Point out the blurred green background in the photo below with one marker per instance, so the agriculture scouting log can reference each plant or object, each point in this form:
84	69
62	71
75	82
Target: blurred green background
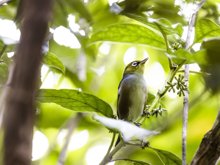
75	60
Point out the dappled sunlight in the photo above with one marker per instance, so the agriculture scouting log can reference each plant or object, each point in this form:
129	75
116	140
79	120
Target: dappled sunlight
155	76
77	140
82	62
104	48
65	37
50	79
95	154
40	145
99	71
9	33
10	54
194	67
186	9
197	47
130	55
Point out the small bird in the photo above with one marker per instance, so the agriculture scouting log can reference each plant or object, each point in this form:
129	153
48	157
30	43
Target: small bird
132	92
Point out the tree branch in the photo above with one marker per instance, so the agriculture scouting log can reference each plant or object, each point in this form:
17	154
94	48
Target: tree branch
109	156
188	41
71	127
20	90
209	149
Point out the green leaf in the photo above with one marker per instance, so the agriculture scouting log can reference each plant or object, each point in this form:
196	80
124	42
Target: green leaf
212	51
130	33
150	98
167	157
130	161
3	72
80	7
205	28
182	55
53	61
75	100
62	9
200	57
162	25
212	66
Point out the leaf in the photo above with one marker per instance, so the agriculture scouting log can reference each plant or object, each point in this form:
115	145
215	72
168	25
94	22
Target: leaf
129	33
212	51
80	7
199	57
3	72
182	55
212	66
205	28
75	100
167	157
150	98
162	25
53	61
130	161
62	9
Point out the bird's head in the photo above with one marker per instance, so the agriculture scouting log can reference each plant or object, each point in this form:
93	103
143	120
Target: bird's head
135	67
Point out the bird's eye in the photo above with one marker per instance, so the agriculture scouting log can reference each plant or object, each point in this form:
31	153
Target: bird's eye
134	63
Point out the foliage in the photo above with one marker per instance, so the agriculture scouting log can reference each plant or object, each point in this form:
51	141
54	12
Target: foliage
84	79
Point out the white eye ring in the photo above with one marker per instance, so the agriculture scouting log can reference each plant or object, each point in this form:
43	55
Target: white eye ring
134	63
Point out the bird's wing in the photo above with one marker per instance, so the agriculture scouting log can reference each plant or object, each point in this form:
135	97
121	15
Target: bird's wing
123	101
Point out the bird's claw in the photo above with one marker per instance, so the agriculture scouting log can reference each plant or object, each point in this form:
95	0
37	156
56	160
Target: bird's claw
146	113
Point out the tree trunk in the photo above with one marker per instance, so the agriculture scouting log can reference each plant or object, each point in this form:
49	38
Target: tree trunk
209	149
19	106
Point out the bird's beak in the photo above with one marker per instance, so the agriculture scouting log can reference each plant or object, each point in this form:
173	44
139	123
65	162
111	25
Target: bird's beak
144	60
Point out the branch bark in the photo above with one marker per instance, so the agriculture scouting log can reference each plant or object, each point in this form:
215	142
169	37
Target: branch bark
20	90
209	149
189	39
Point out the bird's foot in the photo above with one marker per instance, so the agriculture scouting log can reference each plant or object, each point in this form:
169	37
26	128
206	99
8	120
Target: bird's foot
144	144
146	113
137	124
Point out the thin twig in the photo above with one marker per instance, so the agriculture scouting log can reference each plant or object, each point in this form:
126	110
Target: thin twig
188	41
71	126
185	114
109	156
111	144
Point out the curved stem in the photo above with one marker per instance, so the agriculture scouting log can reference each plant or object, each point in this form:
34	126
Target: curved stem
111	144
109	156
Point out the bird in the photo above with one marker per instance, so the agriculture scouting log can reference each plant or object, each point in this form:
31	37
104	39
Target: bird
132	92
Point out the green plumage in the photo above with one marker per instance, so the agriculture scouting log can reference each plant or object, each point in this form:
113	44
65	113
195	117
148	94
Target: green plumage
132	92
